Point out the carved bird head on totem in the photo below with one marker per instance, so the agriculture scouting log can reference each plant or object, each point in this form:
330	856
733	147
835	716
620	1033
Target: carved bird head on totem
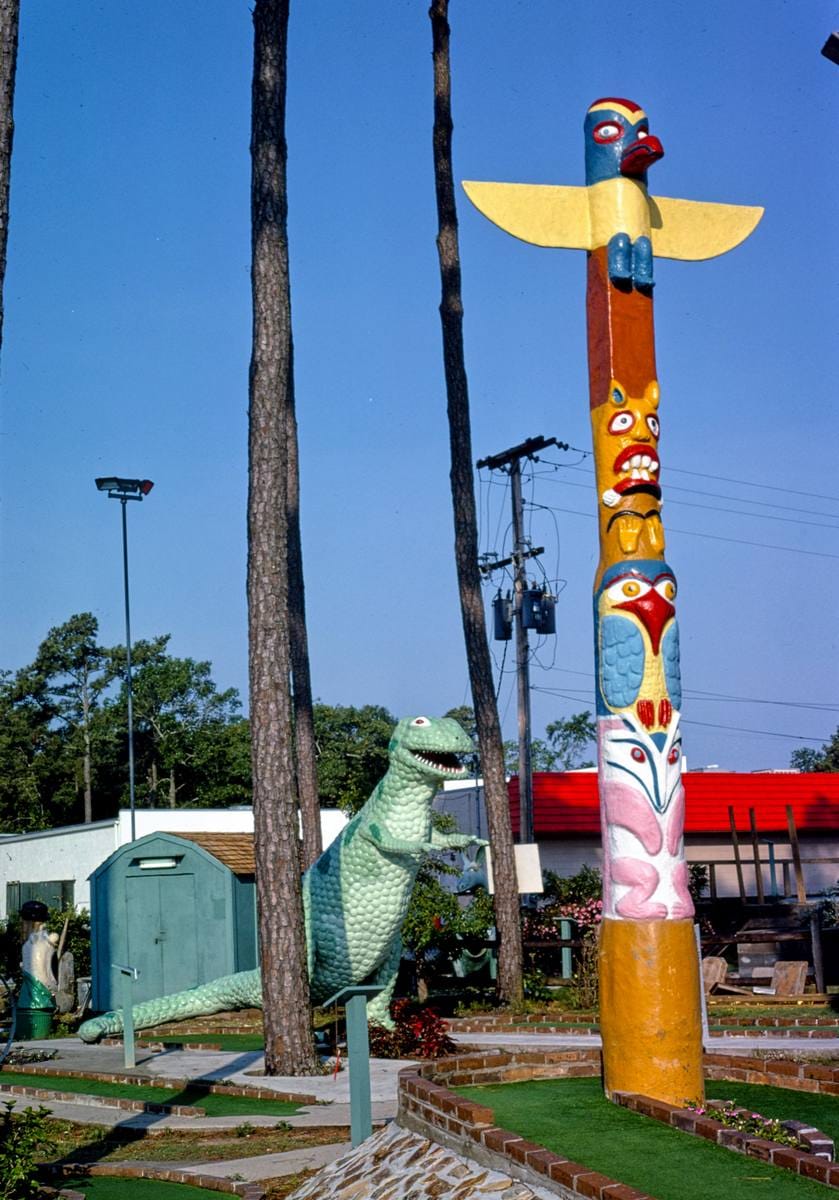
618	141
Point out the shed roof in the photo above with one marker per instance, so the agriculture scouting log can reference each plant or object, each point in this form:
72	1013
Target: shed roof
235	850
567	802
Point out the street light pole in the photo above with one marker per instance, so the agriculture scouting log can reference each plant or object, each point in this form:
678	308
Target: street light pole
125	490
128	683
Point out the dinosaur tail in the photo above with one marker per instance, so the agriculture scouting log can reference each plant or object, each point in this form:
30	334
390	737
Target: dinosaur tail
242	990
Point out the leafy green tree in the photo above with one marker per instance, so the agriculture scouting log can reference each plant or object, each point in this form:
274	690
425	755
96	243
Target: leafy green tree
568	739
826	759
351	746
72	671
24	729
190	742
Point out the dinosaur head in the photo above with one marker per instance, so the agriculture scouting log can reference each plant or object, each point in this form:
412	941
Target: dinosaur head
618	141
433	746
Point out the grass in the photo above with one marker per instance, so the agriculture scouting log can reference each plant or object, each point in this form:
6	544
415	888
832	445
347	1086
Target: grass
98	1143
215	1105
749	1012
783	1103
104	1187
227	1041
572	1117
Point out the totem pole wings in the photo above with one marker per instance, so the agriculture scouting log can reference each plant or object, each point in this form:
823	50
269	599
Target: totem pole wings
614	201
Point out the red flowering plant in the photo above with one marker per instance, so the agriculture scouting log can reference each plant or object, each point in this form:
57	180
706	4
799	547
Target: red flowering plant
419	1033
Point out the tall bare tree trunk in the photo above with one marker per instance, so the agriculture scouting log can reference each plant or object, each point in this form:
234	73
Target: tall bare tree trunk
304	721
88	757
466	529
9	20
289	1048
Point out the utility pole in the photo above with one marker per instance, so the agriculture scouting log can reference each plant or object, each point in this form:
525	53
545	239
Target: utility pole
512	460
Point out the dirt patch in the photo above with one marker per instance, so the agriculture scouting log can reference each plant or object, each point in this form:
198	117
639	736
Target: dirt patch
94	1143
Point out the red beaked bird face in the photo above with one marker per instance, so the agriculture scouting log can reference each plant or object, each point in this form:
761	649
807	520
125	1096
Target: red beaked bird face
640	155
650	599
618	141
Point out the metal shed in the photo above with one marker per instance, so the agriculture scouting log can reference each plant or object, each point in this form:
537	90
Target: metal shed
180	907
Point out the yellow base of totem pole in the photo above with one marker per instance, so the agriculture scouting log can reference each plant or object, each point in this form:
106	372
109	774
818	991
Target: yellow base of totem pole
650	1014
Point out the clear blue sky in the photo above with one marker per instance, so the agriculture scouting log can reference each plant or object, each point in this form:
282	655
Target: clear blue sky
128	323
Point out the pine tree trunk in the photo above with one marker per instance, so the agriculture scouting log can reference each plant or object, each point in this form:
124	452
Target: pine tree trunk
289	1048
466	530
87	765
304	722
9	19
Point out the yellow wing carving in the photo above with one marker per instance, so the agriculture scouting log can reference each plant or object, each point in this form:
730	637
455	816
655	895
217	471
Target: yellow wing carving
692	229
542	214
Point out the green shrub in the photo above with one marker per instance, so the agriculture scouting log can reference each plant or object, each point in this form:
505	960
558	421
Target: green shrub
23	1141
586	885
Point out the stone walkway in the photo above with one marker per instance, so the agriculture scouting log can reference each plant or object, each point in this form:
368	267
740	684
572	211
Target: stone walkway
397	1165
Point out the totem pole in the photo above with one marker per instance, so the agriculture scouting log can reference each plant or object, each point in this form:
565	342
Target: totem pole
649	971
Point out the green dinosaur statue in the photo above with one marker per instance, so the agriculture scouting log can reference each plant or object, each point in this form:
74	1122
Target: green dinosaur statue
355	896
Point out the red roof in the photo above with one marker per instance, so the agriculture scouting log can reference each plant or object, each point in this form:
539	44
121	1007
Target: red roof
567	803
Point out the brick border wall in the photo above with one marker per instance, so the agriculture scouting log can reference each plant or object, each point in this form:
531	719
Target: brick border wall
219	1089
427	1107
809	1027
86	1098
778	1072
215	1183
799	1162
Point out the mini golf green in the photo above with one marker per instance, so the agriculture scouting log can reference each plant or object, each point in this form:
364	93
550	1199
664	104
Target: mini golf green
572	1117
227	1041
112	1187
213	1103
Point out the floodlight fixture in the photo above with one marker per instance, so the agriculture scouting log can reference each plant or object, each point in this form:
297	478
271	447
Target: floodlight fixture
124	489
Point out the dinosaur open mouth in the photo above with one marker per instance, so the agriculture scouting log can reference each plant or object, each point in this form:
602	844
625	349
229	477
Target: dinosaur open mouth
445	762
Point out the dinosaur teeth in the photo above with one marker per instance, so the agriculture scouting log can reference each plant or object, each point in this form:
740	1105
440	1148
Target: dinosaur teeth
447	763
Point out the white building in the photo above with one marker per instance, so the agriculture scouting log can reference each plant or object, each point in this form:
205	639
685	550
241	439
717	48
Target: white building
54	865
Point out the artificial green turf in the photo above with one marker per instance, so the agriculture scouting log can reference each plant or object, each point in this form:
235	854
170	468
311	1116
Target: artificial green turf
227	1041
110	1187
783	1103
573	1118
214	1104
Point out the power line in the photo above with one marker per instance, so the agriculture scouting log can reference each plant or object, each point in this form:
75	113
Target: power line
796	737
769	487
715	508
699	693
714	537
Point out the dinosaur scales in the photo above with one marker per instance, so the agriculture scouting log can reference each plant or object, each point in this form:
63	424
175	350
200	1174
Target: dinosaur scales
355	896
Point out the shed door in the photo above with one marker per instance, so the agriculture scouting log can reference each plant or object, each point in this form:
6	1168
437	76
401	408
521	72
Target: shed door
162	933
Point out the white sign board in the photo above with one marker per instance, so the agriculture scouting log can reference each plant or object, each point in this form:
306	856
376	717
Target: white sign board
528	869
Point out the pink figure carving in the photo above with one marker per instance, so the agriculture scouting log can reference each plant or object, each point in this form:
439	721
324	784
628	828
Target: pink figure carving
643	809
642	879
627	808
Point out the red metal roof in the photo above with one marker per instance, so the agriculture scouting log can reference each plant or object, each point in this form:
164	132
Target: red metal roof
567	803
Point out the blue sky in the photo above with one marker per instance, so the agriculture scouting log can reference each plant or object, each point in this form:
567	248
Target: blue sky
127	332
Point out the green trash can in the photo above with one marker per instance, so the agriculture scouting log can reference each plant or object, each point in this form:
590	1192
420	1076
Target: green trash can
32	1023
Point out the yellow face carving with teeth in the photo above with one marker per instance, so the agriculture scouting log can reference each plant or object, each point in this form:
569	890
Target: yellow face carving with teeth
626	431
